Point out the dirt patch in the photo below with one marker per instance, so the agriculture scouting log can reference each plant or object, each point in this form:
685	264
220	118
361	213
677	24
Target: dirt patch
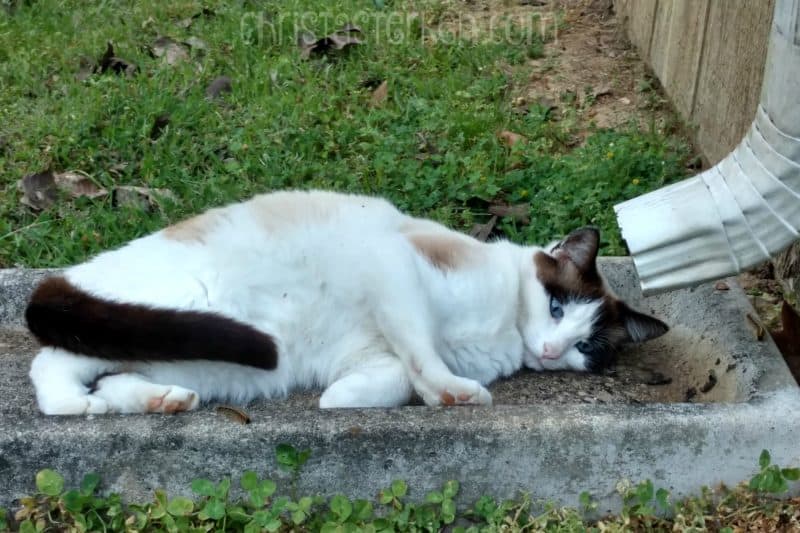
663	370
588	73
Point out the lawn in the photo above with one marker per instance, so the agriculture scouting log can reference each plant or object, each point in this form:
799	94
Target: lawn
428	139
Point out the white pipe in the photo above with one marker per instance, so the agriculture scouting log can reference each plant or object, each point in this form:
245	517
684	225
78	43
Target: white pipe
746	208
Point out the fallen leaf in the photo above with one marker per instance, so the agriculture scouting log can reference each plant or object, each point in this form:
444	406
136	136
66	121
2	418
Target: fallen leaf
234	413
625	100
482	231
144	198
218	86
338	40
110	62
601	91
86	68
379	95
510	138
159	124
38	190
188	21
117	169
185	23
519	212
170	51
721	286
196	43
41	190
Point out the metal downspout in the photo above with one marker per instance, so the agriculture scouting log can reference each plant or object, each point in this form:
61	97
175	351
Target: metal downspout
746	208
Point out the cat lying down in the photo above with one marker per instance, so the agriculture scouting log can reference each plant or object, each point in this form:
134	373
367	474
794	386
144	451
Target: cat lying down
316	289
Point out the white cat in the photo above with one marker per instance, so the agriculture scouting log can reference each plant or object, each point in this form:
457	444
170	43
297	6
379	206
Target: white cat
317	289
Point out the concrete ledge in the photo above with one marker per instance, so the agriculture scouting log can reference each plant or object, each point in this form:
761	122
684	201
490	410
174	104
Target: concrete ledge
551	446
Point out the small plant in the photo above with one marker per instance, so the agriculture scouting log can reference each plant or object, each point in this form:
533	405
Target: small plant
292	461
645	508
771	478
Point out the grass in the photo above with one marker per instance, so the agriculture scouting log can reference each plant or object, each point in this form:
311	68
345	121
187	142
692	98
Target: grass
261	506
431	146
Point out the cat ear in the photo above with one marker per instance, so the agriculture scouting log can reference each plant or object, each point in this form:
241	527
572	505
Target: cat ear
640	327
580	247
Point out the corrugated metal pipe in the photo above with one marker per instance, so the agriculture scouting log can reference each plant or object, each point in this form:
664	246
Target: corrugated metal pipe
746	208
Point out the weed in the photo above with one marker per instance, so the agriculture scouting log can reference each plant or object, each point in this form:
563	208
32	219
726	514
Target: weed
262	509
771	478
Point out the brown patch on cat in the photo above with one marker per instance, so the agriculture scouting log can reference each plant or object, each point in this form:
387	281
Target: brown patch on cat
442	251
562	278
447	398
788	339
193	229
276	212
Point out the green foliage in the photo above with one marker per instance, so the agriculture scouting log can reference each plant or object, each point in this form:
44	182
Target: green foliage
431	147
771	478
261	508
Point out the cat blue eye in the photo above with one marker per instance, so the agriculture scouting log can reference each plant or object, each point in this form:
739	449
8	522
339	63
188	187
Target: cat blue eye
582	346
556	311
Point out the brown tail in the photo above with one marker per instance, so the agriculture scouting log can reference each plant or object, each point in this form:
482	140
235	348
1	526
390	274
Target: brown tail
61	315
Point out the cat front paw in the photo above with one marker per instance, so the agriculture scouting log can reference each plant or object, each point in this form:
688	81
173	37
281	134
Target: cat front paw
458	391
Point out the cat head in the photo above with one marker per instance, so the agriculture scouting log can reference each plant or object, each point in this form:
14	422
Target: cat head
572	320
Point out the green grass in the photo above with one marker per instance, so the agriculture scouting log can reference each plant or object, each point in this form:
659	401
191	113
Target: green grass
431	147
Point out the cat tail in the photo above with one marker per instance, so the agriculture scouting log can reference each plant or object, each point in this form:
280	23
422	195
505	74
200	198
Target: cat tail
61	315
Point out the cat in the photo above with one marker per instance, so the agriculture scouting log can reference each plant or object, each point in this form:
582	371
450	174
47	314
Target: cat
314	289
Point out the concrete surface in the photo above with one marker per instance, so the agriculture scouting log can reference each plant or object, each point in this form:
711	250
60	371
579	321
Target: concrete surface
553	435
709	56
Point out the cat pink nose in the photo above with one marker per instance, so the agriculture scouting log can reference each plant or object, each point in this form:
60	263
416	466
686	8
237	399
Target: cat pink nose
549	351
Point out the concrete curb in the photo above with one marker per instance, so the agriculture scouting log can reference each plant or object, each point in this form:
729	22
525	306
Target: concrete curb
552	451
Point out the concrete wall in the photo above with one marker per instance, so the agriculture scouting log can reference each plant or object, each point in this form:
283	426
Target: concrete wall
709	56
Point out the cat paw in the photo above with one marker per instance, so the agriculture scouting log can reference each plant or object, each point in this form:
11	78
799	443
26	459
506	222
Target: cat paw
458	391
175	400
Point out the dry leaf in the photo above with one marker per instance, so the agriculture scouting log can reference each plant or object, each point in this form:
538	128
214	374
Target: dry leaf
170	51
144	198
601	91
341	38
234	413
379	95
196	43
721	286
510	138
218	86
188	21
110	62
87	68
159	124
482	231
519	212
41	190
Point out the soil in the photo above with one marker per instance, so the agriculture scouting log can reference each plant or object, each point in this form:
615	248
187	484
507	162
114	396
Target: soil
588	67
658	373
